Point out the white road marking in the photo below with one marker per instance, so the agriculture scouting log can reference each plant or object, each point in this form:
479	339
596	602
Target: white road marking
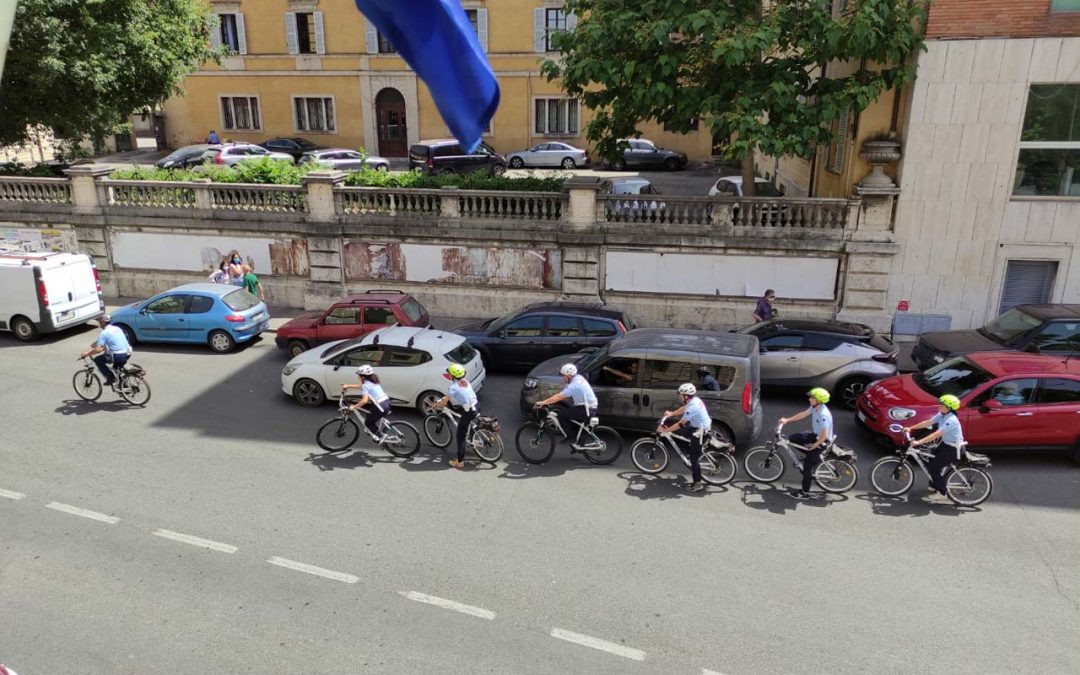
76	511
195	541
706	671
597	643
11	495
311	569
449	604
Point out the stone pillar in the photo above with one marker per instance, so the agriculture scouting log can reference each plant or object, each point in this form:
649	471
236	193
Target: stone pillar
877	208
327	280
85	198
322	206
449	204
203	200
581	272
582	210
866	283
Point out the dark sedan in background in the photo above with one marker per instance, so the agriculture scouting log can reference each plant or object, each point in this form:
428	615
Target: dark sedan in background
644	154
291	146
542	331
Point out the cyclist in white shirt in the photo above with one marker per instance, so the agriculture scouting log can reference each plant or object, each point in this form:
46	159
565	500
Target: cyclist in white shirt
581	396
951	435
111	345
461	397
694	414
815	442
372	398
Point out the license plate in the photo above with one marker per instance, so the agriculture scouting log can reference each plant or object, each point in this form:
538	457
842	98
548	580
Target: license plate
861	415
64	316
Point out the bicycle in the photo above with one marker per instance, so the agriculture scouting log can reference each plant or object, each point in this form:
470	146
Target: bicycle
400	439
717	462
535	439
836	473
130	382
440	427
967	483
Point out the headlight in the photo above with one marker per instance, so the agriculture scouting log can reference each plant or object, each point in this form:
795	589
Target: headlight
901	414
288	370
938	358
531	383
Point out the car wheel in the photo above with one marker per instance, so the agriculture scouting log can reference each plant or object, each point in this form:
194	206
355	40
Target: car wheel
308	393
850	389
569	163
382	167
221	342
296	348
517	163
671	164
498	169
426	400
24	329
619	164
721	430
444	172
128	333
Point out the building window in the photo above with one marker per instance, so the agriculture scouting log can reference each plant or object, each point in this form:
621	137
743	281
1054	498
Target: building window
1065	5
1049	160
384	45
305	32
230	39
554	22
240	113
314	113
841	130
694	123
474	19
556	116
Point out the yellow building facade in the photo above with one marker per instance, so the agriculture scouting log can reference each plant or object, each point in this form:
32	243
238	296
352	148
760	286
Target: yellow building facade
318	69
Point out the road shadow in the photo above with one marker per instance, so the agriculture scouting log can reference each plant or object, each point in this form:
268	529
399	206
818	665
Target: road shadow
645	486
560	463
87	330
777	499
913	505
80	407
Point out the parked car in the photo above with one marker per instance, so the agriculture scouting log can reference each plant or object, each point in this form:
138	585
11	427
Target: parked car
1008	400
1027	328
447	156
294	147
351	317
840	356
188	156
542	330
47	292
636	376
410	363
345	159
732	186
215	315
231	154
631	207
644	154
549	155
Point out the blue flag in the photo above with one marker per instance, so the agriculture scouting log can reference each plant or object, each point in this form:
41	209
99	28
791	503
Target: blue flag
438	42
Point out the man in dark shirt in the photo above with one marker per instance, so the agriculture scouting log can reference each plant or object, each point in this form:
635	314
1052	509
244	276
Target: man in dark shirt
764	310
708	382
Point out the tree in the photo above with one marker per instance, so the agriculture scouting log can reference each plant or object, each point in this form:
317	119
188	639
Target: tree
754	71
81	67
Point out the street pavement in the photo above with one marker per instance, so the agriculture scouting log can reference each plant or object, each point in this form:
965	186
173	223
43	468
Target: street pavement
208	533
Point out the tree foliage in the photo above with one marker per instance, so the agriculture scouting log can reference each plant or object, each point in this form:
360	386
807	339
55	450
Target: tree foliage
748	69
81	67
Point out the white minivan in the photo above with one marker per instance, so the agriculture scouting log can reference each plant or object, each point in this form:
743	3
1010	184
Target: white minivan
47	292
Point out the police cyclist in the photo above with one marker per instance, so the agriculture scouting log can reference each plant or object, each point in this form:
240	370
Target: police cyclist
462	399
694	414
579	392
373	400
814	442
951	435
111	345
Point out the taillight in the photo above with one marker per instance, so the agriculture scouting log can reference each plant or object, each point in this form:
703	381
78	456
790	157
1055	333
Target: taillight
747	397
235	318
622	328
97	280
430	163
42	293
218	159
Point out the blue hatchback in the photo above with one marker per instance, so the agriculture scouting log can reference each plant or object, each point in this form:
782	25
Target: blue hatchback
212	314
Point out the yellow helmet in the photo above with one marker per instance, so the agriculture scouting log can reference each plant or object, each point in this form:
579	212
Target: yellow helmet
456	371
819	394
950	402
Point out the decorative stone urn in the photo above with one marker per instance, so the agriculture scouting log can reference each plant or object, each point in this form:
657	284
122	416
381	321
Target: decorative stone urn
879	153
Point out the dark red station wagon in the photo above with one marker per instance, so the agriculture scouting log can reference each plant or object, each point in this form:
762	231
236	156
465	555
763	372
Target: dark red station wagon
1008	400
351	317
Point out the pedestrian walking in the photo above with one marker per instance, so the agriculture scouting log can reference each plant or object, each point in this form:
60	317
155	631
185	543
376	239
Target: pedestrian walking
764	310
251	283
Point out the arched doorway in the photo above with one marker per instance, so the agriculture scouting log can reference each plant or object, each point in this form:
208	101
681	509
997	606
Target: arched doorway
390	122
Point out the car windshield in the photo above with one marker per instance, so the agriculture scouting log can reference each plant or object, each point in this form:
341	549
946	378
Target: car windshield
956	376
348	344
239	300
413	310
463	353
591	360
767	190
496	324
1010	326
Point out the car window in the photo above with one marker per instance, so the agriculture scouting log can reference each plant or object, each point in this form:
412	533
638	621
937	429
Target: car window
664	374
168	304
1060	336
821	343
1012	392
200	304
766	189
529	326
405	356
352	154
956	376
1059	390
724	376
379	315
563	326
413	309
726	186
448	150
619	373
343	316
369	355
1010	326
258	151
783	343
598	328
239	300
463	353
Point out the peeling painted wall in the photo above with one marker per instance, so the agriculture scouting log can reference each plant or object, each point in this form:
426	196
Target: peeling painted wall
467	265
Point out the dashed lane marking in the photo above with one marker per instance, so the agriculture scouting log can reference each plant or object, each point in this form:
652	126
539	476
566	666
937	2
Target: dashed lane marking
11	495
597	643
449	604
195	541
84	513
706	671
311	569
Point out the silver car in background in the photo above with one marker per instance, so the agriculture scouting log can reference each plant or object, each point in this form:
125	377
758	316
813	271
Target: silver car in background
840	356
549	155
231	154
345	159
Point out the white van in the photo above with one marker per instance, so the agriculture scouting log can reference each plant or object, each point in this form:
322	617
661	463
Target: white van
47	292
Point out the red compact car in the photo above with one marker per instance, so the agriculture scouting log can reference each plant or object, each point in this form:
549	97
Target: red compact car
1008	400
351	317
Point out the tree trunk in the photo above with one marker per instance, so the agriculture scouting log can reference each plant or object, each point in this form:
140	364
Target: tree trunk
748	175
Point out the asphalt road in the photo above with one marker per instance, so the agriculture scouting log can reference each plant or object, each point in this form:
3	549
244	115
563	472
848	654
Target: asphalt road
307	562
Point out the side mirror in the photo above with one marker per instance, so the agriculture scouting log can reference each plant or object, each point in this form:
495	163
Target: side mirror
992	404
501	334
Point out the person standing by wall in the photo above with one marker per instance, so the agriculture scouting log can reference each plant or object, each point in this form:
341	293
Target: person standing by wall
251	283
213	139
236	268
764	310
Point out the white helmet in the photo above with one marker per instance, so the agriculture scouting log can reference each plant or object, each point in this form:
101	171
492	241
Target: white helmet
569	370
365	370
687	389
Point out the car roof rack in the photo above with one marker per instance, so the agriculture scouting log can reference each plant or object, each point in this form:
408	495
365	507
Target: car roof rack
355	301
375	339
379	290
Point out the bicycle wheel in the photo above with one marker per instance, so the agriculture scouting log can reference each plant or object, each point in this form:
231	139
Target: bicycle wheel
439	430
892	476
338	434
534	443
605	446
717	468
134	390
87	385
968	486
764	464
836	475
402	439
649	456
487	445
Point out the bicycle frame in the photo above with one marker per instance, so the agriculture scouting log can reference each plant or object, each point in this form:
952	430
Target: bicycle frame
345	410
920	456
555	425
672	441
455	420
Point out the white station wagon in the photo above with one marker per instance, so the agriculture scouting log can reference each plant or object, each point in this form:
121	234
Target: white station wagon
409	361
